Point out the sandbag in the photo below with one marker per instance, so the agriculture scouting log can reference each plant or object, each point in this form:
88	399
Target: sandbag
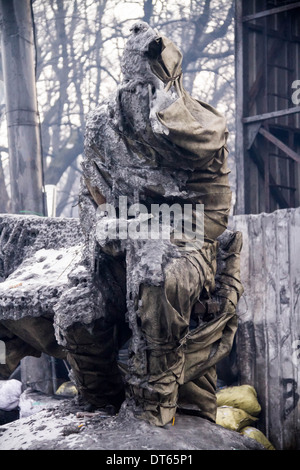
67	389
243	397
256	434
233	418
10	392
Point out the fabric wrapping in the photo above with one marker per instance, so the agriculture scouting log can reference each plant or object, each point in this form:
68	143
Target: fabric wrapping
176	355
157	150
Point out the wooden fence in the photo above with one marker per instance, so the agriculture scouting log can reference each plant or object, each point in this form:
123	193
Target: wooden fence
268	338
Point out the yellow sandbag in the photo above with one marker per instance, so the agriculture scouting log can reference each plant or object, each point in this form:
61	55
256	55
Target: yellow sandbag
243	397
233	418
256	434
67	389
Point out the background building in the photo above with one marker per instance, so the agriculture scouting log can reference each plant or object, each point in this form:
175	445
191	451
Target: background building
267	43
268	111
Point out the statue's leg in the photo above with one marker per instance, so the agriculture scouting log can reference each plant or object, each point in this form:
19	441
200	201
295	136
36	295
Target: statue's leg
92	348
198	396
28	336
164	317
13	349
92	354
210	343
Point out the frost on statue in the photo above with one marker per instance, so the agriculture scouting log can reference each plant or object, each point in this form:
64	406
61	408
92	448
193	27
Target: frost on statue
171	300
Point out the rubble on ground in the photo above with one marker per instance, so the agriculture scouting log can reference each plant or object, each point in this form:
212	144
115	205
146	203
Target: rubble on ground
61	425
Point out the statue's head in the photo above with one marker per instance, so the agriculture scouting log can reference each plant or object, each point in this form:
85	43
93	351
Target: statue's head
148	53
141	34
135	56
139	27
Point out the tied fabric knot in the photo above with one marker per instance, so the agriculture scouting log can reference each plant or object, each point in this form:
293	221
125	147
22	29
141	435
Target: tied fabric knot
172	79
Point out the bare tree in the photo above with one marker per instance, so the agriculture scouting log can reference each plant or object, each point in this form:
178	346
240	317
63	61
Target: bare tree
79	44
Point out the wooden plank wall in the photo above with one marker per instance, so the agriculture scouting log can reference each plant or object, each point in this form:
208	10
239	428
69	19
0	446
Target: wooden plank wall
268	338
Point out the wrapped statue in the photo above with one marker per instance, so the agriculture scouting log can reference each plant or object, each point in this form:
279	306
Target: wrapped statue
151	145
159	273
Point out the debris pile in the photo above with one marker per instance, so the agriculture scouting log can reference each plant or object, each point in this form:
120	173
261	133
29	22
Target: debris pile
36	256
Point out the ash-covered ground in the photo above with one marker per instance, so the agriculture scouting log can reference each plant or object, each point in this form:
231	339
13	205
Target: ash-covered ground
61	425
